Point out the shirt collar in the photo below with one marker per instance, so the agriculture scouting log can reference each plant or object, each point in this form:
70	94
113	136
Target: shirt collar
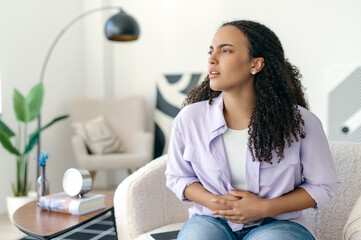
218	123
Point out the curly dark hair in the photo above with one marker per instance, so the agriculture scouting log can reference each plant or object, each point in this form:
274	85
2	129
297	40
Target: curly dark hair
276	118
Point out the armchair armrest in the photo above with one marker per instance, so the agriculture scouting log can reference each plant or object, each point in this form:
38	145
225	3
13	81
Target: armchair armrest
142	202
352	228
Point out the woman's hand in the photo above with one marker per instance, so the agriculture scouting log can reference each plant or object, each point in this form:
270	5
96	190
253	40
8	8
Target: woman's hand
217	206
195	192
240	207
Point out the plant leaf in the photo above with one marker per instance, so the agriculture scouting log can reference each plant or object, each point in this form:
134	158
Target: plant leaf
20	107
6	130
34	101
7	144
33	138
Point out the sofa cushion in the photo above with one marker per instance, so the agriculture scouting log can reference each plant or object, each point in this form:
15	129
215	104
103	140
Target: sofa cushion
98	136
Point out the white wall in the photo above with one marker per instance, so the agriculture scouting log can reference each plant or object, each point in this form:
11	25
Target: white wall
175	36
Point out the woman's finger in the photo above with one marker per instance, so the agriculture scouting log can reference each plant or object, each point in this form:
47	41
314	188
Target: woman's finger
225	202
224	212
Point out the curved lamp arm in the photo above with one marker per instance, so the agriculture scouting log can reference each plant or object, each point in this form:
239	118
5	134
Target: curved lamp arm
134	30
61	33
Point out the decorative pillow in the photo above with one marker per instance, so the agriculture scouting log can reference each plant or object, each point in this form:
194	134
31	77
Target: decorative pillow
172	89
98	136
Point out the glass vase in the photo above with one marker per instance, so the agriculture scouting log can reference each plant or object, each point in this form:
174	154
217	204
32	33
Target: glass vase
42	184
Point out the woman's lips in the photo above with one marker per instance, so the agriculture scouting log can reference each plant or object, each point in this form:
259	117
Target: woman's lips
213	74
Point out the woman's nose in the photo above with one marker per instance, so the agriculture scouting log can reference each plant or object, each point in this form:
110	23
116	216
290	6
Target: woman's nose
212	59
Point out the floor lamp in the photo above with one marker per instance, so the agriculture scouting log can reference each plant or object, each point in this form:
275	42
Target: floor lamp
120	27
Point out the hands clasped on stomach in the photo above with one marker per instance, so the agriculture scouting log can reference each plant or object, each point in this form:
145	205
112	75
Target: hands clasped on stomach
239	206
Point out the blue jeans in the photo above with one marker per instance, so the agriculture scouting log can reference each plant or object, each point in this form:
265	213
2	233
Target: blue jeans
202	227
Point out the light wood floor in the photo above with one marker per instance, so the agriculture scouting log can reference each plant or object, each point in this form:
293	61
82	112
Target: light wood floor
8	231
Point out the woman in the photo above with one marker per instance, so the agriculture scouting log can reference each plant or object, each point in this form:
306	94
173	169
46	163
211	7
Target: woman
245	149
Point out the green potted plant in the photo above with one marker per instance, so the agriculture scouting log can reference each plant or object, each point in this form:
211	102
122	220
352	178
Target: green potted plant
21	143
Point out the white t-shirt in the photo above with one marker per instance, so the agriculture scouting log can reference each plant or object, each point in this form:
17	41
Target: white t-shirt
235	143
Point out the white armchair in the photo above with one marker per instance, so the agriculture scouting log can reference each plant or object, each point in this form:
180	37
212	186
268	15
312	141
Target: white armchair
126	117
143	203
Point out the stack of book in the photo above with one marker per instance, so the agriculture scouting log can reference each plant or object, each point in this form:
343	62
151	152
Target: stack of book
61	202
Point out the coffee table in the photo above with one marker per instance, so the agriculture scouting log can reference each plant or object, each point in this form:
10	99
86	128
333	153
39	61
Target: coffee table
43	224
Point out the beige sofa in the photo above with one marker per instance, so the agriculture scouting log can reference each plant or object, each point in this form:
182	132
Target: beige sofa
143	203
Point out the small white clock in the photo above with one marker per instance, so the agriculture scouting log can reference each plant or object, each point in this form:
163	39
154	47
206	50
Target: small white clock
77	182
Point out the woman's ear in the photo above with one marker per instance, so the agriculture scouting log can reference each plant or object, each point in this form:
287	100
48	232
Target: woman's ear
259	63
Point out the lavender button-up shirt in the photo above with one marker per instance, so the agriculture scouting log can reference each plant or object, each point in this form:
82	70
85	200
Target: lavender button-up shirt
196	154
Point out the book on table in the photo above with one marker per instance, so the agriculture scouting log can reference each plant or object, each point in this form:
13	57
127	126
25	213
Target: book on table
61	202
171	235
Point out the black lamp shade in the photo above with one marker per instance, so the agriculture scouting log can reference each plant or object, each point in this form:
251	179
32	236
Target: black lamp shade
122	27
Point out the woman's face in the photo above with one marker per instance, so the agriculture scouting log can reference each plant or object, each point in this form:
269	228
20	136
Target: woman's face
229	64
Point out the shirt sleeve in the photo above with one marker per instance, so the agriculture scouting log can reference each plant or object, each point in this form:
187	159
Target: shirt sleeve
179	173
319	175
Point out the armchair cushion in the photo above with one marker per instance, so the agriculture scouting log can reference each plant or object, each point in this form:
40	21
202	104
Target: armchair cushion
98	136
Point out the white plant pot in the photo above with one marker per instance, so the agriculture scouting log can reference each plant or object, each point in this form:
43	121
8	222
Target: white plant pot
13	203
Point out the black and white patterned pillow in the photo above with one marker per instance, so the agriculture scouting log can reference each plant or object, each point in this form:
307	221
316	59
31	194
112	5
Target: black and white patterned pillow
172	89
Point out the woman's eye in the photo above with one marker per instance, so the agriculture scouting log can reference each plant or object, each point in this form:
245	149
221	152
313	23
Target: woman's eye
210	53
226	50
